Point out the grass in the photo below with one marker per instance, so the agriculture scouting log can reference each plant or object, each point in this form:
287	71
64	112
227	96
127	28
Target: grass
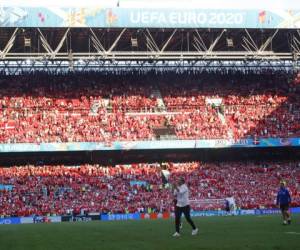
242	233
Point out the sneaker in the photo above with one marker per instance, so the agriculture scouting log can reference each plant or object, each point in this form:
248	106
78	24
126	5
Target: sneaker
195	231
176	234
289	222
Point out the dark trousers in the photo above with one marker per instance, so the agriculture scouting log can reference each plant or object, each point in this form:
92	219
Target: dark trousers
186	211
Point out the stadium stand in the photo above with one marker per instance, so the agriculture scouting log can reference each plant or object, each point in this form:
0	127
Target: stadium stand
60	190
89	107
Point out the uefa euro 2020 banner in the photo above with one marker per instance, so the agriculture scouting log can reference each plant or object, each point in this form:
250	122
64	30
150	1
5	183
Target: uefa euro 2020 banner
151	14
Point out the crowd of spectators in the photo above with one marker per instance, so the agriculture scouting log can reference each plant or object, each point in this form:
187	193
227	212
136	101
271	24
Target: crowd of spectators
60	190
91	107
263	104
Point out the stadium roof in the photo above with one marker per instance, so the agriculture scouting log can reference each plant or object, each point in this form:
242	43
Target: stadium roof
137	32
148	44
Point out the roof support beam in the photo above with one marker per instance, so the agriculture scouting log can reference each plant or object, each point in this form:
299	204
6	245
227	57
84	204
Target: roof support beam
267	42
45	43
61	42
251	47
199	43
212	46
151	44
96	42
116	41
295	44
249	44
9	45
47	46
167	42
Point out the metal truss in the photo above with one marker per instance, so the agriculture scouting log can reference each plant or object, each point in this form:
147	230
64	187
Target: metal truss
295	44
150	45
54	66
251	47
9	45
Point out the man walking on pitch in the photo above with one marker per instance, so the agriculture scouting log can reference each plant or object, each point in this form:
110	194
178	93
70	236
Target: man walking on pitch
283	201
181	192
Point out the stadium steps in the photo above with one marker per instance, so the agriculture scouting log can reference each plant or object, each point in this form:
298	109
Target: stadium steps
224	122
222	118
160	102
98	104
230	129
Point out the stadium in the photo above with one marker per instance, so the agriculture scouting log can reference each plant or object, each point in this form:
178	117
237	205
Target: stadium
107	105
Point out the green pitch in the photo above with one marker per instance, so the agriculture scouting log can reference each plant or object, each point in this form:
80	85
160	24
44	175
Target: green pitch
241	233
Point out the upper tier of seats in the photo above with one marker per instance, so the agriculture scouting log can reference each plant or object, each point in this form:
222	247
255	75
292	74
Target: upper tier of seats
91	107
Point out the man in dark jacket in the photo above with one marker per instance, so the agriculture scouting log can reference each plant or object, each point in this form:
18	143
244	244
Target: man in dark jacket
283	201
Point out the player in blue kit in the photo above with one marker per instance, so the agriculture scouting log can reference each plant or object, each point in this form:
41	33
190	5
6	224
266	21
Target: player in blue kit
283	201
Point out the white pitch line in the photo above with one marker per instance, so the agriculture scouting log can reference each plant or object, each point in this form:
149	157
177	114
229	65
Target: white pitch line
292	233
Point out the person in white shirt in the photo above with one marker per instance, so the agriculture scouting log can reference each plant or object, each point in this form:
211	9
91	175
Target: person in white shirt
231	205
181	192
